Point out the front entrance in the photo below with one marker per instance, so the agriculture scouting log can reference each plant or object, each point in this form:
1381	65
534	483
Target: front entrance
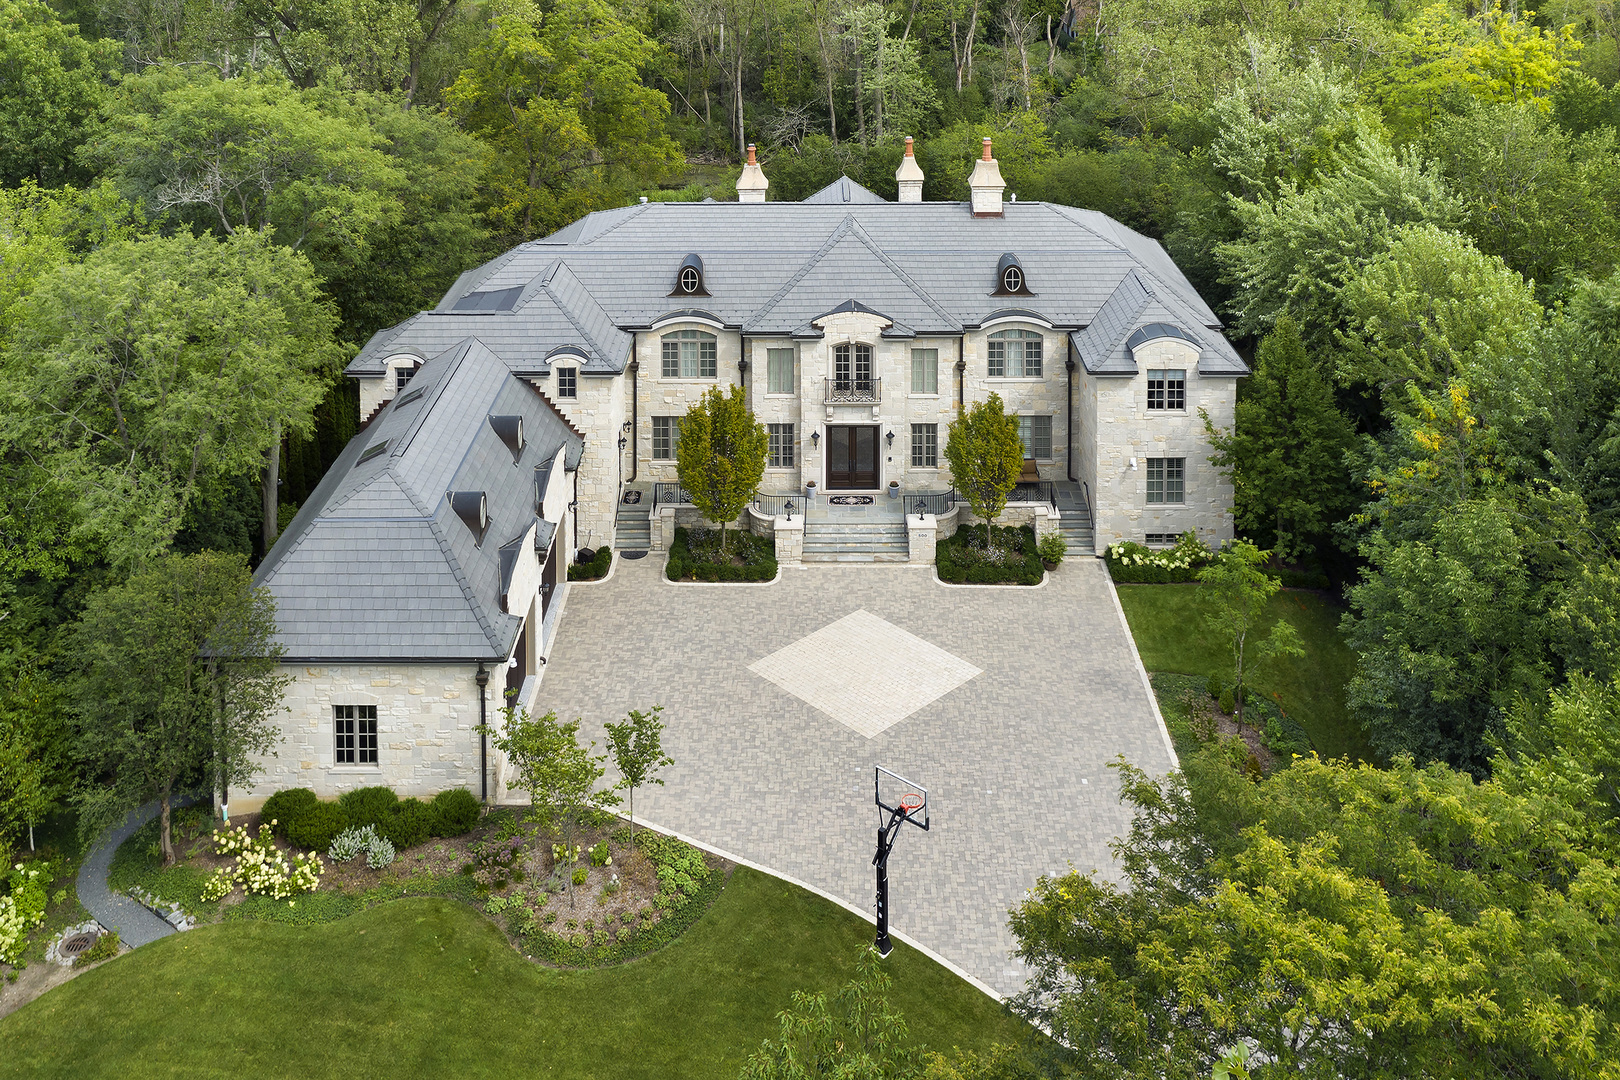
852	457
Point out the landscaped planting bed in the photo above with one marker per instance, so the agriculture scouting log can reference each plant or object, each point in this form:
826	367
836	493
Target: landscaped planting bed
1133	563
963	558
696	555
593	568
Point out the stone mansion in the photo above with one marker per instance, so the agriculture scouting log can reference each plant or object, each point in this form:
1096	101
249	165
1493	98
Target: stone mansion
506	426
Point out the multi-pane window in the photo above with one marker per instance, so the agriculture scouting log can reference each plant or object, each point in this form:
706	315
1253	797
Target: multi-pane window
781	446
356	731
665	432
1161	539
1167	388
1015	354
568	382
1166	480
852	367
1035	432
402	375
925	446
925	371
779	371
689	354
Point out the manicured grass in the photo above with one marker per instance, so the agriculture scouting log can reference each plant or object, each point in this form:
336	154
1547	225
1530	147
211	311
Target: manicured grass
1168	624
428	987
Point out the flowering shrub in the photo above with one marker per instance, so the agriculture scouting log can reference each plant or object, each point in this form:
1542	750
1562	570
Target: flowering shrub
1129	561
260	866
21	909
600	855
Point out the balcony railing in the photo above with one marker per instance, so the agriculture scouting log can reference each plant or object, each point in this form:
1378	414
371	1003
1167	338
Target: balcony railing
1034	491
779	505
854	391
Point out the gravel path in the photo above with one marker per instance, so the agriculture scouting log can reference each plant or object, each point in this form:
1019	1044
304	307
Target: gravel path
135	923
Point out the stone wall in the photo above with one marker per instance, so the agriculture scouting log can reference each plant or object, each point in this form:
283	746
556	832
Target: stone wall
598	411
426	742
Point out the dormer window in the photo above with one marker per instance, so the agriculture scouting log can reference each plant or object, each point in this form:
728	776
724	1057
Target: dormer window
510	430
567	382
1010	279
403	375
689	279
472	507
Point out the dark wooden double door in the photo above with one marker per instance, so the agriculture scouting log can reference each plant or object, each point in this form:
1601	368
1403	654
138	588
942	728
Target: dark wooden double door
852	457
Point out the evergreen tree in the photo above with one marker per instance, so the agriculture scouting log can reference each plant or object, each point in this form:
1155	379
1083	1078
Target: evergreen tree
1286	454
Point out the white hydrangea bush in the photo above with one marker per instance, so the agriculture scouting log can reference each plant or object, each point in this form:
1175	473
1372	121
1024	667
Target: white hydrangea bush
261	867
21	910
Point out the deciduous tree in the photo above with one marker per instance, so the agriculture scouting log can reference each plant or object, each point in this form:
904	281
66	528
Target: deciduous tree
1235	590
53	80
986	455
720	457
637	746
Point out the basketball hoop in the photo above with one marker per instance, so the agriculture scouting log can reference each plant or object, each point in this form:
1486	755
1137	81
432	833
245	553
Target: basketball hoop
910	803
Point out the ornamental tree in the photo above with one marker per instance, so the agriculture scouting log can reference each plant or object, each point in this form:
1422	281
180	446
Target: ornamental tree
720	457
178	676
1235	591
636	744
986	456
559	774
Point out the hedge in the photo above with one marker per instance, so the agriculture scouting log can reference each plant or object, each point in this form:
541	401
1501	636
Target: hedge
759	551
955	565
594	568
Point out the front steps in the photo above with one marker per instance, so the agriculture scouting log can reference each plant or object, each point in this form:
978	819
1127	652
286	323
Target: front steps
632	525
856	542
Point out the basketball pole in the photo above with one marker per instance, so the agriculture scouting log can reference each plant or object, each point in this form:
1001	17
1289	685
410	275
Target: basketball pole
885	843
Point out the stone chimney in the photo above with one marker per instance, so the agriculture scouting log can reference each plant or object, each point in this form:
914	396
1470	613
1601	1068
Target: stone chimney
909	176
986	184
751	184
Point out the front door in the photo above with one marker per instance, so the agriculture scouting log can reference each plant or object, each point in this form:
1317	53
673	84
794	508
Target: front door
852	457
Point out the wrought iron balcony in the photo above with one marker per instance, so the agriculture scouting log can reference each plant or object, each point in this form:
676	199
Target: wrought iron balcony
854	391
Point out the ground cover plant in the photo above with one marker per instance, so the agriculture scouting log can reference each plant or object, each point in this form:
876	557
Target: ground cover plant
1012	559
697	555
1167	622
427	981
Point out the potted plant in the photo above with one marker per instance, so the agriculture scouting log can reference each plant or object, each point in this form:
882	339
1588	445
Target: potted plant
1051	548
894	489
809	492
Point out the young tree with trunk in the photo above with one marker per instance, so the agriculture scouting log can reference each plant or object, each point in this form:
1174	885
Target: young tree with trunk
720	457
986	456
637	746
178	677
559	774
1235	591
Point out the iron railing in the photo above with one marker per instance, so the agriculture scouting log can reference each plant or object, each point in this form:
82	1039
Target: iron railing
936	503
1034	491
666	493
854	391
779	505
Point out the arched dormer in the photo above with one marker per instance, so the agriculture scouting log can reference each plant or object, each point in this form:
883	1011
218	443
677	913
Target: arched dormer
689	278
1010	277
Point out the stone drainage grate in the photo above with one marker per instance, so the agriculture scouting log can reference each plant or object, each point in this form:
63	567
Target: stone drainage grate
78	943
73	942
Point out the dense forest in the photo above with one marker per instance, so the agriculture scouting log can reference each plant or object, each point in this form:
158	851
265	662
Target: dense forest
1408	215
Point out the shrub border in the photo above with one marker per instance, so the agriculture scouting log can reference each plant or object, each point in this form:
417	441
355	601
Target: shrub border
676	548
1031	562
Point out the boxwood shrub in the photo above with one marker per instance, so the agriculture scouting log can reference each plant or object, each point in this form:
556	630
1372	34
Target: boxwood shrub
369	806
455	812
316	826
694	556
410	823
594	568
286	807
961	560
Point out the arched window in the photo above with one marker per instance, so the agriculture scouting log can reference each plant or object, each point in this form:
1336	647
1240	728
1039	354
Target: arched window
1015	354
689	354
1012	280
689	278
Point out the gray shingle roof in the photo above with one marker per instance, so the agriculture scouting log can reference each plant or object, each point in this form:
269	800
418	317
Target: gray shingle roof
376	566
1105	346
845	190
771	268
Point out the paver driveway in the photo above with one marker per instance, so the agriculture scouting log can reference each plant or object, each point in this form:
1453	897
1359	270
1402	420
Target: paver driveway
1014	757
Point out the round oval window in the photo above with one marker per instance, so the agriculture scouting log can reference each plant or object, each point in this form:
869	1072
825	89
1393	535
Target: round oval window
1012	279
689	279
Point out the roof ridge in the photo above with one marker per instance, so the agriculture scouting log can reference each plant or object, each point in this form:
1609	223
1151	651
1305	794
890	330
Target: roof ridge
894	268
462	348
838	233
635	212
552	405
568	312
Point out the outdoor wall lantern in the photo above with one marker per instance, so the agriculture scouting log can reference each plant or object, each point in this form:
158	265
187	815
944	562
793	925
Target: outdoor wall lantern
789	508
623	442
815	438
890	437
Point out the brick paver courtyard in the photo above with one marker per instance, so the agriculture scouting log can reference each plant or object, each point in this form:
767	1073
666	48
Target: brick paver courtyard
1014	756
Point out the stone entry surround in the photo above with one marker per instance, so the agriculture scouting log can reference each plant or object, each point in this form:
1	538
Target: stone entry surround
1015	757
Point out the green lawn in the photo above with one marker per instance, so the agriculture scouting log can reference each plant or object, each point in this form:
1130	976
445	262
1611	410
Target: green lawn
425	987
1168	624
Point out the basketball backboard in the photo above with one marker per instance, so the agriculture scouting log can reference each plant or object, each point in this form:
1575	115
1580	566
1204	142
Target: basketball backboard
894	794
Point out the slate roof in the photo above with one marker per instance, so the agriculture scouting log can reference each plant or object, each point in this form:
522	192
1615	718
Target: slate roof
775	267
1105	347
376	566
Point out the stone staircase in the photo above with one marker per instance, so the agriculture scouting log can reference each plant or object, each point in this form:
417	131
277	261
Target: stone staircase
868	542
632	525
1075	523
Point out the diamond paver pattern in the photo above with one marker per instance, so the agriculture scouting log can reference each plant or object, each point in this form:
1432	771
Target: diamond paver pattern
1015	758
865	673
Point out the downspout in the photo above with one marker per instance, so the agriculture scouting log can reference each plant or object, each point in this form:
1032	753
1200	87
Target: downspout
961	378
573	508
635	401
483	734
1069	421
742	376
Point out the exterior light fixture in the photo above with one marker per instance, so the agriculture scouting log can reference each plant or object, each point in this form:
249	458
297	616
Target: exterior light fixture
890	437
623	442
788	506
815	438
921	505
